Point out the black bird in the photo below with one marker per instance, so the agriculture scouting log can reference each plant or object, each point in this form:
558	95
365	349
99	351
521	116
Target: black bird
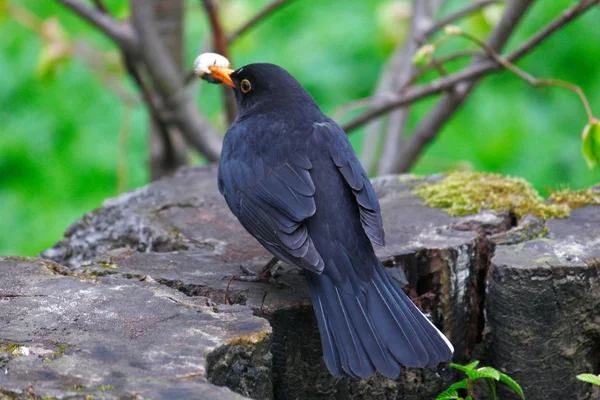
291	177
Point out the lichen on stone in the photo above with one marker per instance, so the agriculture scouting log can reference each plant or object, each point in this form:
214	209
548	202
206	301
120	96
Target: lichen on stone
248	339
463	193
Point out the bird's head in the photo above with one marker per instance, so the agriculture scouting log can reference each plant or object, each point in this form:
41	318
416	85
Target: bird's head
257	85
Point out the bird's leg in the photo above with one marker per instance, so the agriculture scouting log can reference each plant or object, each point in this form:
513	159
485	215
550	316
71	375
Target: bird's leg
269	273
265	274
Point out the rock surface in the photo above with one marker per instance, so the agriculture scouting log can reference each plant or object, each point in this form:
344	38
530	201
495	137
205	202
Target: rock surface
67	337
543	308
176	239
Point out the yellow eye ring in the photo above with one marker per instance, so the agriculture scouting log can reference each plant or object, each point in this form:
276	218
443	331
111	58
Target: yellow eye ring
245	86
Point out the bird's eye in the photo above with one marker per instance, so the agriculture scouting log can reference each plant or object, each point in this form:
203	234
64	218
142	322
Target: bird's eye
245	86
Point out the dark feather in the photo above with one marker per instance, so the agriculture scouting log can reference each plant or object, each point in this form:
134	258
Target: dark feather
293	180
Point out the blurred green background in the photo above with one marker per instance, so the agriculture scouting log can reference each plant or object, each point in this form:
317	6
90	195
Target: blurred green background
67	141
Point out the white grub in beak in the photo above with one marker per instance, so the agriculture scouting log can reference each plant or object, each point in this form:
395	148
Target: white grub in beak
213	68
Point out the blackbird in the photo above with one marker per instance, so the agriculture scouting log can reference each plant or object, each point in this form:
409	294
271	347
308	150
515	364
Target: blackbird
291	177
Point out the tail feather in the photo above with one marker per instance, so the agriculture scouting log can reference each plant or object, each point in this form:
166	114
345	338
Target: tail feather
332	356
436	342
395	325
351	355
375	328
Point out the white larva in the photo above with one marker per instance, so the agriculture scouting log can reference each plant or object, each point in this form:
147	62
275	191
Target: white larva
205	60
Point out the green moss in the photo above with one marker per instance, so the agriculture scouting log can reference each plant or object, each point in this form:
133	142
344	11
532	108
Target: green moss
575	199
248	339
104	388
11	348
108	265
463	193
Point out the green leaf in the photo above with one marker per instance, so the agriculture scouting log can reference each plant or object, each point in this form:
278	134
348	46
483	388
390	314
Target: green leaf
465	368
448	394
459	385
589	378
590	145
484	372
511	382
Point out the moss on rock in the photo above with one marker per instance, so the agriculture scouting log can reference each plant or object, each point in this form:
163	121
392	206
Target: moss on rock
463	193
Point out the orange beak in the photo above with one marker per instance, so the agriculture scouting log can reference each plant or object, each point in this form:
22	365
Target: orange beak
222	74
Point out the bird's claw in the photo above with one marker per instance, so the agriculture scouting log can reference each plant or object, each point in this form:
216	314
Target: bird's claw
268	275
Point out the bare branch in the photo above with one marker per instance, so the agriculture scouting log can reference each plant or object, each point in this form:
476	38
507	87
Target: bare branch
533	81
100	6
437	62
119	32
398	119
429	127
220	46
169	83
397	71
471	8
260	16
473	72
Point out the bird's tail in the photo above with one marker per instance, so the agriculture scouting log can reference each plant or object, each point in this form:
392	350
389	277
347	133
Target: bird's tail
372	327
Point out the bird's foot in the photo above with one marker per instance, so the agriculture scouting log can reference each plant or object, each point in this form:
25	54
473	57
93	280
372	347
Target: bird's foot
269	273
266	275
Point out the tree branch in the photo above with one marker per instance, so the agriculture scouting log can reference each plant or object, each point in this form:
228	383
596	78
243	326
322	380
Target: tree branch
220	46
100	6
397	70
169	83
429	127
120	33
470	73
471	8
533	81
260	16
398	119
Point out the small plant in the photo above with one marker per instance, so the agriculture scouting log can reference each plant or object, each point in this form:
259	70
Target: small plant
590	378
489	374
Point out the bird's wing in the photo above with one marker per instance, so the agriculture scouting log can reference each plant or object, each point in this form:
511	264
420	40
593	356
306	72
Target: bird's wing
355	176
272	202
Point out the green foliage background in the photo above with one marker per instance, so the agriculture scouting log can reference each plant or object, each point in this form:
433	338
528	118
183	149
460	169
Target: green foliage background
59	134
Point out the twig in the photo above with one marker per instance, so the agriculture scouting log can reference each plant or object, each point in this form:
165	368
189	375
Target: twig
344	109
470	73
169	83
122	162
397	71
226	299
428	127
260	16
398	119
440	61
220	46
100	6
270	8
120	33
533	81
471	8
26	18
